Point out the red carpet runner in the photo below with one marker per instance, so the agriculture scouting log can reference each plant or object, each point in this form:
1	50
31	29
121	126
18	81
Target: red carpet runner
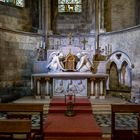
82	126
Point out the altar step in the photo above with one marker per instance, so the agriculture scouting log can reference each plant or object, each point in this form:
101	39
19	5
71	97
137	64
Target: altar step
77	109
81	105
78	102
96	108
101	108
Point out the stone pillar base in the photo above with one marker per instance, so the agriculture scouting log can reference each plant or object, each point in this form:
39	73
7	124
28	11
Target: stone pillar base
47	97
37	97
102	97
92	97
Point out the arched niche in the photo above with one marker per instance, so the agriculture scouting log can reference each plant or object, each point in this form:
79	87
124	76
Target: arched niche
125	77
113	77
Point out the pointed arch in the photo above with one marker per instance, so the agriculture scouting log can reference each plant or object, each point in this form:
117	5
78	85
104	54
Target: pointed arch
125	75
113	76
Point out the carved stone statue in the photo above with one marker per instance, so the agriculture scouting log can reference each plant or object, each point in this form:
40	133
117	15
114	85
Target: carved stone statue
55	62
83	65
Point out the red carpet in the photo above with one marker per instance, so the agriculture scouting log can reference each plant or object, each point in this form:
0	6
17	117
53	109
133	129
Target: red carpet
82	126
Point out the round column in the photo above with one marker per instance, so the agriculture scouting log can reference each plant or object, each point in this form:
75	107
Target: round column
38	89
47	88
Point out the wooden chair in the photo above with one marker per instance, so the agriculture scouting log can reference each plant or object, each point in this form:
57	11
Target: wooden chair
9	127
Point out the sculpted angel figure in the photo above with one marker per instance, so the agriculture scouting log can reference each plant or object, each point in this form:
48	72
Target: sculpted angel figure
83	65
55	62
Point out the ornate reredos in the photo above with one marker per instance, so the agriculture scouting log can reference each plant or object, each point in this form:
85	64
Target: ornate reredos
72	50
69	59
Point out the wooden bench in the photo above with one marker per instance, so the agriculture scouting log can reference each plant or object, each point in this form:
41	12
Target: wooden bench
9	127
121	133
21	110
136	134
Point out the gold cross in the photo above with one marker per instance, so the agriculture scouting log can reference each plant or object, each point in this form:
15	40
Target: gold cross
84	42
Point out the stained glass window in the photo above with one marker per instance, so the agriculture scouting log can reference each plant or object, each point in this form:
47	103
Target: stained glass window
19	3
69	6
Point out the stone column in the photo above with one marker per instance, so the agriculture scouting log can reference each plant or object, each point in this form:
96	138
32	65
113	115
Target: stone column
48	16
92	94
40	14
96	89
107	15
38	89
101	87
102	96
119	76
47	88
101	16
138	12
97	25
43	16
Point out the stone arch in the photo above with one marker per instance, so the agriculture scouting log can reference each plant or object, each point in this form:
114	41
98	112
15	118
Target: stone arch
119	57
113	77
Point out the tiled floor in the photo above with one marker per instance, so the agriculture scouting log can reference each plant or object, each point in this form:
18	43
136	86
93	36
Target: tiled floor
124	121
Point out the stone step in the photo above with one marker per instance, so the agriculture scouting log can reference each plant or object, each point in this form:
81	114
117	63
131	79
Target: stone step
96	108
45	109
101	108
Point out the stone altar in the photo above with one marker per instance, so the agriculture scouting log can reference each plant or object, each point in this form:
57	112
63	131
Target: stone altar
91	74
69	69
97	84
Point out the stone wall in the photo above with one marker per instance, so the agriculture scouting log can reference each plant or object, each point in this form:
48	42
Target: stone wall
127	41
74	22
59	41
15	18
123	14
17	53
